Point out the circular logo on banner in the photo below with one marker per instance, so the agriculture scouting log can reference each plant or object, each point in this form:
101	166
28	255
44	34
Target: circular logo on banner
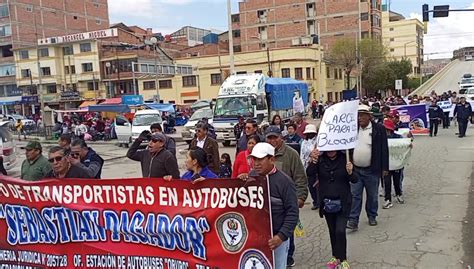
253	259
232	231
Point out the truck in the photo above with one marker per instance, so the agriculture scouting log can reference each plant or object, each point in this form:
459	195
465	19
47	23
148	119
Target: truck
255	96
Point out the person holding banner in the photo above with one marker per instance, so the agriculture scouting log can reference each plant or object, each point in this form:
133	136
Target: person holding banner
370	158
395	174
335	174
283	201
435	114
62	167
197	165
36	166
243	164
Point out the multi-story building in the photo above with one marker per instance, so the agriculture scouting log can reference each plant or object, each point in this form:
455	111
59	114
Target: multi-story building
463	52
190	35
283	23
23	22
403	38
301	63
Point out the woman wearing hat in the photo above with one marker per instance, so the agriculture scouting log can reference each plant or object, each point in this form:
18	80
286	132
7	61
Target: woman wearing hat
307	147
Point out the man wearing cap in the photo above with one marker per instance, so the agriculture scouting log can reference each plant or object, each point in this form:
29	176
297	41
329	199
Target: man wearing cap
288	161
283	202
36	166
462	112
170	142
156	161
370	159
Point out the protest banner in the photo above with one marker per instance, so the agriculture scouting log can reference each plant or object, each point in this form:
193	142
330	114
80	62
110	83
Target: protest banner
413	117
338	130
135	223
399	152
445	105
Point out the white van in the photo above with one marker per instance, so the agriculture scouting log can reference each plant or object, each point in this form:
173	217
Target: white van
7	146
143	119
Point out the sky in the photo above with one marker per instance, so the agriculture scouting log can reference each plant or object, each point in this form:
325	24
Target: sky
166	16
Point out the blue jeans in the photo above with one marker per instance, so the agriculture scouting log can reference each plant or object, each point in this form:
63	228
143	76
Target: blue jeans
279	255
370	181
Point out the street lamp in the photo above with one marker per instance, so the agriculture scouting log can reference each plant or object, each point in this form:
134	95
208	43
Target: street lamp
109	90
154	42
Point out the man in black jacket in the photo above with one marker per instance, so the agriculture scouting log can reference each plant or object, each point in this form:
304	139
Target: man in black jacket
156	161
462	112
435	114
86	158
170	142
370	159
283	201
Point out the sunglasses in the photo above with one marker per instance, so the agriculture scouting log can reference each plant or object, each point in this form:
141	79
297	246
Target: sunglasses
74	155
57	159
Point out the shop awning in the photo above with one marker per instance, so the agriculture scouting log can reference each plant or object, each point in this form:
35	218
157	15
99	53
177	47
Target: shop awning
11	100
112	101
87	103
110	108
162	107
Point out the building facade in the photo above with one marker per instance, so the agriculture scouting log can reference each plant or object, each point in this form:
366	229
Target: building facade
463	52
23	22
283	23
301	63
403	38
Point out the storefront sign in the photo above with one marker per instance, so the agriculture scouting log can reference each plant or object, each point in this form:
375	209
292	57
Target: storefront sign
70	96
79	37
29	99
132	100
135	223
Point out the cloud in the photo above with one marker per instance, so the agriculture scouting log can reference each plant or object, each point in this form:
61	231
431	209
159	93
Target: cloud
123	8
447	34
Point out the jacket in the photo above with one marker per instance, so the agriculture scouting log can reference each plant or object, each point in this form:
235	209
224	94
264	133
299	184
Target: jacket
333	181
288	161
212	151
156	165
379	160
242	143
205	173
283	202
241	164
435	112
292	139
92	163
73	172
36	169
170	145
463	112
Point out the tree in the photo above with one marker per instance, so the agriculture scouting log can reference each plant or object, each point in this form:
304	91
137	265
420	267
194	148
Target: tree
373	59
401	69
344	53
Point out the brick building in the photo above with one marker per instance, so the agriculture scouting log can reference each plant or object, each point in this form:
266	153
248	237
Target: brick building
285	23
22	22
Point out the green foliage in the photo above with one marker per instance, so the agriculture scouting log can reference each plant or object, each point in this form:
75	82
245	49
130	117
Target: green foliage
344	53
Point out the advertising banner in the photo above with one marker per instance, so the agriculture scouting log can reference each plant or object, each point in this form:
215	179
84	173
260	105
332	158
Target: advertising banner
399	151
135	223
445	105
413	117
338	130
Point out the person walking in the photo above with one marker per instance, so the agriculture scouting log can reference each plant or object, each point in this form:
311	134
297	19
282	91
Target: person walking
20	129
239	128
209	145
283	201
65	141
370	159
62	167
86	158
462	112
197	166
251	128
335	175
35	166
435	114
156	161
243	163
225	168
278	122
307	147
300	124
170	144
288	161
314	109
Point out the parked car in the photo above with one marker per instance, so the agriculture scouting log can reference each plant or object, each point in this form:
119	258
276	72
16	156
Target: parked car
28	125
7	146
127	132
189	128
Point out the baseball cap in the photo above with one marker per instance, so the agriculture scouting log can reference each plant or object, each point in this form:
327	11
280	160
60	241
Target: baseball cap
158	136
364	109
33	145
272	130
262	150
389	124
310	129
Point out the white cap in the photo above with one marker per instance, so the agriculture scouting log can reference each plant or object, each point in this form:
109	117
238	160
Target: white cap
262	150
310	129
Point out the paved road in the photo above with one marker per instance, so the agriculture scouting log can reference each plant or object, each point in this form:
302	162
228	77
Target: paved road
450	80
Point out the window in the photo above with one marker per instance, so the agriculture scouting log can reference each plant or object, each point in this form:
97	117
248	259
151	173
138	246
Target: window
25	73
299	73
336	73
392	50
285	72
391	29
5	30
51	88
70	69
262	32
365	34
87	67
45	71
237	48
262	15
75	17
241	72
165	84
92	86
328	72
392	39
29	8
189	81
149	85
236	33
44	52
340	74
310	11
68	50
24	54
364	16
235	18
98	21
7	70
215	79
330	96
311	27
308	73
258	72
261	104
4	11
85	47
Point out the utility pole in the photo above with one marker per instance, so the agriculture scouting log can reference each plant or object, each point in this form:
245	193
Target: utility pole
231	38
133	77
70	69
154	42
320	63
40	86
359	34
270	71
94	87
